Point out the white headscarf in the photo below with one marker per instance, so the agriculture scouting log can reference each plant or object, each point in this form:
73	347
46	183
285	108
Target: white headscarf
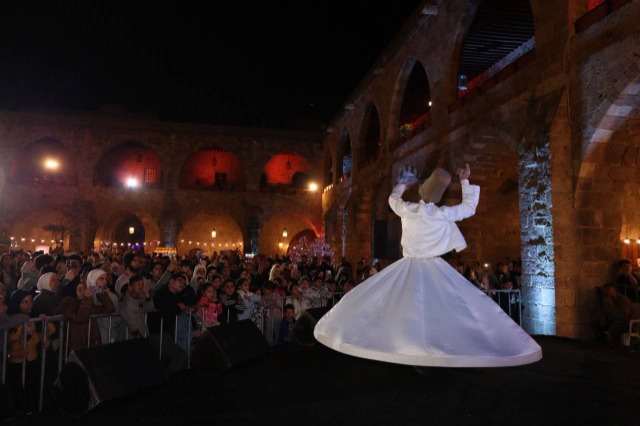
43	282
93	277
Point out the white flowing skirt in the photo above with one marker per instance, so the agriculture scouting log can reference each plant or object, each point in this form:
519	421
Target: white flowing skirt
423	312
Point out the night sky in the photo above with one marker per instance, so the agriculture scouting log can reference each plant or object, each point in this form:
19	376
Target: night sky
278	64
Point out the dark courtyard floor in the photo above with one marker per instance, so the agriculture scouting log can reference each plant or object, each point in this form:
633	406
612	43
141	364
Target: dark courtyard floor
576	383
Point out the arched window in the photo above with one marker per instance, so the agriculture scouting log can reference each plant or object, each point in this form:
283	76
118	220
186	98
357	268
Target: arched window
213	169
416	103
45	161
371	141
130	164
345	160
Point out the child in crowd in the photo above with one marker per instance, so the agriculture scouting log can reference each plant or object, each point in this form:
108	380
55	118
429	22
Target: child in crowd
287	324
230	302
209	313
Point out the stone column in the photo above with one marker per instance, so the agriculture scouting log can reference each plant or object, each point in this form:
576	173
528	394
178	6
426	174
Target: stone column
80	231
169	228
536	235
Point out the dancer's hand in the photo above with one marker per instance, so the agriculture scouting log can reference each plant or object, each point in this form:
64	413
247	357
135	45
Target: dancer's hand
408	176
464	173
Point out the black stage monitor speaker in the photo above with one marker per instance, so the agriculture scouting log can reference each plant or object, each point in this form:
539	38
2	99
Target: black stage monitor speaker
228	345
303	330
94	375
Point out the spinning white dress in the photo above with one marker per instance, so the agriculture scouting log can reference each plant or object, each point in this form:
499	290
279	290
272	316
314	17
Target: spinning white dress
421	311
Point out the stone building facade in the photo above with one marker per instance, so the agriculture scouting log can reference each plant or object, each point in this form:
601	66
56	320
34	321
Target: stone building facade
173	184
542	99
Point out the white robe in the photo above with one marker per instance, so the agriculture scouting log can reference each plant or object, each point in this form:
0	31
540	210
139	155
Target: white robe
421	311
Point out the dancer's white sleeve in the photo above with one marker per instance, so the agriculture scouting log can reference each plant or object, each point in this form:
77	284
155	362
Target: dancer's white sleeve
467	208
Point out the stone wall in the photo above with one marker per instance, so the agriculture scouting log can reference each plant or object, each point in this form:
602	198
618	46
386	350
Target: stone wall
168	212
552	144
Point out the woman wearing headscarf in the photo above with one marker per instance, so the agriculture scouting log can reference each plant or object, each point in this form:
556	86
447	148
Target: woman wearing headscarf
48	301
97	282
77	306
199	271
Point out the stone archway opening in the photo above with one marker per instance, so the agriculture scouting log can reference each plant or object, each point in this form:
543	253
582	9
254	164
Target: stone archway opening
345	161
285	172
210	232
46	162
371	140
277	233
212	169
127	230
129	165
415	108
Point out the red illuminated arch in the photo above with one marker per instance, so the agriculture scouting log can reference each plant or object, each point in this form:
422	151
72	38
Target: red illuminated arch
130	160
213	169
285	170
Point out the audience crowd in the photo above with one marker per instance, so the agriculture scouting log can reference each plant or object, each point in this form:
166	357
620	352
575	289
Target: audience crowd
154	292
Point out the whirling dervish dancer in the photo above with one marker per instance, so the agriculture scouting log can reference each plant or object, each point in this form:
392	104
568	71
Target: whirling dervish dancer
419	310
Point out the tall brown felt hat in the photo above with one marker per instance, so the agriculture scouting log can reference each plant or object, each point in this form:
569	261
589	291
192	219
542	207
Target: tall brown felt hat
432	189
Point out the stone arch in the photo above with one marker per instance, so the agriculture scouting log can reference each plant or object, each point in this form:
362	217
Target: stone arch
345	158
46	161
370	140
197	232
115	229
212	168
43	227
279	171
606	190
411	101
271	234
126	163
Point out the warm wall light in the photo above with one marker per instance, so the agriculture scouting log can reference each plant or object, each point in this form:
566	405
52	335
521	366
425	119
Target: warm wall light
313	186
214	234
280	244
51	164
284	232
132	182
626	241
131	230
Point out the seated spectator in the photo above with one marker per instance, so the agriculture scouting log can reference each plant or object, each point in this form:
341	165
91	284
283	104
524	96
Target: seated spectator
489	280
287	324
612	315
625	273
77	306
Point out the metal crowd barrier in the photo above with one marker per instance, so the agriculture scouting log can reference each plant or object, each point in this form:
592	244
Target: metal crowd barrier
511	297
